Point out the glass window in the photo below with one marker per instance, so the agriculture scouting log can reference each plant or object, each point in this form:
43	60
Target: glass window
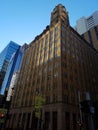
54	98
55	74
56	41
56	55
56	64
56	48
63	41
56	29
47	99
65	98
63	48
51	45
50	68
68	52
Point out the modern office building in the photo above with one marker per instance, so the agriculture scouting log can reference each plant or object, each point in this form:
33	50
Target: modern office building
13	67
58	68
5	57
84	24
92	36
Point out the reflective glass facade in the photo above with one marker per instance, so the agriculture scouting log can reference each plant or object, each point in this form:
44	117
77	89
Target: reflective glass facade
14	66
5	57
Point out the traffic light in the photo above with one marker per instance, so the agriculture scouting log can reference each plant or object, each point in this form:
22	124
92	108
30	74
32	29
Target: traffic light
2	115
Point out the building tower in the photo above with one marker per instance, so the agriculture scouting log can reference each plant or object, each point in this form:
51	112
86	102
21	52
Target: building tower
59	14
13	67
84	24
56	65
5	57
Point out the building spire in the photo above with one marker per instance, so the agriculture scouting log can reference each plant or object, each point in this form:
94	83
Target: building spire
59	14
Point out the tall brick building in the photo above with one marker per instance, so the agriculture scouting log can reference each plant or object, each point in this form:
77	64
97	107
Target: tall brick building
57	65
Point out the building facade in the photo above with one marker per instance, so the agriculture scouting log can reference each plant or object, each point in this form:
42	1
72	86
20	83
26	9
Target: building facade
57	65
14	66
84	24
5	57
92	36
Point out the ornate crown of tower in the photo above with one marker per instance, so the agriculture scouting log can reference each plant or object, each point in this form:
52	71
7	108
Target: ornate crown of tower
59	14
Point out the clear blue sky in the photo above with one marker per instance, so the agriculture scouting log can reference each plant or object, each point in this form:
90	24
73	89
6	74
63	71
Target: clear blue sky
22	20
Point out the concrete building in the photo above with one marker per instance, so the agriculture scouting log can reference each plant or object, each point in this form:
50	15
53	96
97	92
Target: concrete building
5	57
84	24
57	65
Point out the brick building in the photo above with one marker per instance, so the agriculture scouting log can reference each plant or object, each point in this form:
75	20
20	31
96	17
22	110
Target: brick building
57	65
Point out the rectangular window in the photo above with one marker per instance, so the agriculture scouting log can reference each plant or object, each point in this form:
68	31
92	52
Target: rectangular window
55	74
56	48
63	48
65	99
47	99
54	98
56	65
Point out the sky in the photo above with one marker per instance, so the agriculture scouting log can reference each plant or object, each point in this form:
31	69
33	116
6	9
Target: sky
22	20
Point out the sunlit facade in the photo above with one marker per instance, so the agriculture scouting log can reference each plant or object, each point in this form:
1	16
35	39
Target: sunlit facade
56	65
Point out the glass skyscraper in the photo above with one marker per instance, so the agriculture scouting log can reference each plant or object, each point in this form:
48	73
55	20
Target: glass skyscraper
14	66
5	57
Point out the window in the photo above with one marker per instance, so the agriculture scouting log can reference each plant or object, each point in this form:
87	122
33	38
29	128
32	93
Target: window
56	41
65	75
51	45
63	35
55	74
56	35
47	99
49	76
50	68
68	52
63	28
55	85
51	51
65	85
56	48
56	29
63	48
56	64
65	98
63	41
56	55
48	87
51	35
50	59
54	98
